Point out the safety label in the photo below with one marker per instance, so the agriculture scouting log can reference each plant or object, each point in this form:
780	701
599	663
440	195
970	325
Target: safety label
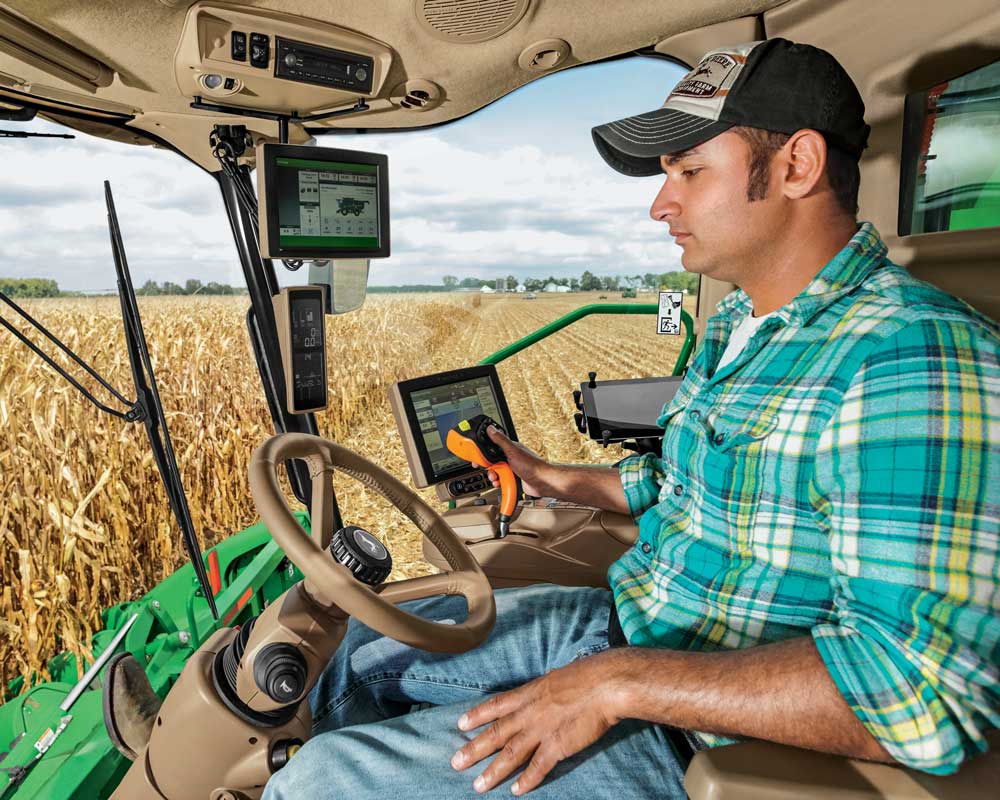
668	317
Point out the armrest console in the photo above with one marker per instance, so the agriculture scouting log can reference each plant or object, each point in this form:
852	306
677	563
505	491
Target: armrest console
758	770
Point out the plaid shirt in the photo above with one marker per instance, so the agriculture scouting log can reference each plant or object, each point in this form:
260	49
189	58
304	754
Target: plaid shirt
841	479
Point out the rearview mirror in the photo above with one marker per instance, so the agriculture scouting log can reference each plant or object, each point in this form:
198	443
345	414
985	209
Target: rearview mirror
345	281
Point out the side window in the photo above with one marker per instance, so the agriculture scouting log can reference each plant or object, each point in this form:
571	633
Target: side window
951	155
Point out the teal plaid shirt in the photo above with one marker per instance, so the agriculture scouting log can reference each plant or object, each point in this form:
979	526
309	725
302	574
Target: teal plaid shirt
839	479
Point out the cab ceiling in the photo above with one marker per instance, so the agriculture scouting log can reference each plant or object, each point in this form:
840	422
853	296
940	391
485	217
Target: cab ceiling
139	42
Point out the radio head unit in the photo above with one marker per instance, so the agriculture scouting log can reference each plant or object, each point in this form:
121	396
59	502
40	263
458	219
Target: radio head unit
427	408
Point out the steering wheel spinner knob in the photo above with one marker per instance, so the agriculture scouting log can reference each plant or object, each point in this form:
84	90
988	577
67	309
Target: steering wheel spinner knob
364	555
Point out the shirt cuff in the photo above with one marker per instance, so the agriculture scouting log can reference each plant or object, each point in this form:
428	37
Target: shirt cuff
641	477
908	720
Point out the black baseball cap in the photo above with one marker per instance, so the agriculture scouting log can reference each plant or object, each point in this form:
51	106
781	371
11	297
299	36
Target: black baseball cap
776	85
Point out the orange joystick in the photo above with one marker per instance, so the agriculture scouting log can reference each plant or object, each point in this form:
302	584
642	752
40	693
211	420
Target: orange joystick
468	440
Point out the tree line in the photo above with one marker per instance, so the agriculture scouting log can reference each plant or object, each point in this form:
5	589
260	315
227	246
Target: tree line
29	287
588	282
190	287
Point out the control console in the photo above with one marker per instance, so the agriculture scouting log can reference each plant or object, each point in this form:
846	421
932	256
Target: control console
427	408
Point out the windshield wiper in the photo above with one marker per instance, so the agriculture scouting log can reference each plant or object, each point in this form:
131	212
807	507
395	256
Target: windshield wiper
33	135
148	398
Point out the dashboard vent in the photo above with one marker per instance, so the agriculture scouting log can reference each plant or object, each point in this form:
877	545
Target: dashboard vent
470	21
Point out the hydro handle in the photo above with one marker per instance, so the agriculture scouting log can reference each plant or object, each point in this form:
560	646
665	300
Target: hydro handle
468	440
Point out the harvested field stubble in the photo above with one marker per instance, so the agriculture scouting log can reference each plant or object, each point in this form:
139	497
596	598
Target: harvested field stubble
84	519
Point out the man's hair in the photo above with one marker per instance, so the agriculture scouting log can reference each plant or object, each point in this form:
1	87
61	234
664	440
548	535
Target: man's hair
841	167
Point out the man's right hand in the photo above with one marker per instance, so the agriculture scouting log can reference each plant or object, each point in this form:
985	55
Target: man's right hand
526	465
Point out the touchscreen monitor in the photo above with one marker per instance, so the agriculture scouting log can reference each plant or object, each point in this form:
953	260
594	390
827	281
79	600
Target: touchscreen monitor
427	408
322	203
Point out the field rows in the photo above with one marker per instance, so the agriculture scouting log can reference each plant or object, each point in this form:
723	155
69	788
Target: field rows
84	521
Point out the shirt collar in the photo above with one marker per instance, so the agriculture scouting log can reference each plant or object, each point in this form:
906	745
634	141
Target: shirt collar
842	274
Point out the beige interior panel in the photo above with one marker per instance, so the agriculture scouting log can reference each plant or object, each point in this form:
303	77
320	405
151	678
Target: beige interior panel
764	771
549	542
690	46
138	43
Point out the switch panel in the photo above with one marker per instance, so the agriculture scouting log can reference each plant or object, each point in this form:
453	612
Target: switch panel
238	47
260	50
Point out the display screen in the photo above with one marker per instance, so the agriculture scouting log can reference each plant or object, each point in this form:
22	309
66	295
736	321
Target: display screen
308	359
950	176
440	408
327	205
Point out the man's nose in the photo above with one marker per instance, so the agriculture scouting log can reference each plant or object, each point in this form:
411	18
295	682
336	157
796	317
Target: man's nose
665	204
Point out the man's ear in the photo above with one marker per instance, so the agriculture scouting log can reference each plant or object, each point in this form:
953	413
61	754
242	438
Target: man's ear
803	160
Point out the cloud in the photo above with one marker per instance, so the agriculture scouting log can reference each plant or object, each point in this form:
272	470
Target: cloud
529	209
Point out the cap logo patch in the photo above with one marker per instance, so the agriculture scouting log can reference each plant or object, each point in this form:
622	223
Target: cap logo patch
707	78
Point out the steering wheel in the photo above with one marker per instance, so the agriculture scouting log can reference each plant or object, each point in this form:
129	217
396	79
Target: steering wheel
329	581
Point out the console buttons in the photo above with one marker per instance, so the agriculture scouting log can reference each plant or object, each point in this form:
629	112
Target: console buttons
229	84
260	50
238	46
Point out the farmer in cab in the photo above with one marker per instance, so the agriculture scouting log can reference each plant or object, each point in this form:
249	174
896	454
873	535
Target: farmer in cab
819	540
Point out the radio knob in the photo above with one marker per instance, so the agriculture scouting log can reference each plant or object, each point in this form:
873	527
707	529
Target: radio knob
360	73
290	59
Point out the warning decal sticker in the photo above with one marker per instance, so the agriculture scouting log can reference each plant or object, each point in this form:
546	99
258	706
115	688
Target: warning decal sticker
668	316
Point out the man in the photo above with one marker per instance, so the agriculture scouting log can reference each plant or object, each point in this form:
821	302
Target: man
819	545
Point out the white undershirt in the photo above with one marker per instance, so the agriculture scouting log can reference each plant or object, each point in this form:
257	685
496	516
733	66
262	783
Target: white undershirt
741	334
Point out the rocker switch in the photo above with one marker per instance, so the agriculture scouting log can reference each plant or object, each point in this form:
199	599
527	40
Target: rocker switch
238	46
260	50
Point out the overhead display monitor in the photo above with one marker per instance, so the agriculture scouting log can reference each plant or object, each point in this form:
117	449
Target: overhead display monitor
427	408
321	203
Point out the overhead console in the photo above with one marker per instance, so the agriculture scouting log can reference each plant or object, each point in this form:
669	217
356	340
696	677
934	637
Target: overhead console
260	59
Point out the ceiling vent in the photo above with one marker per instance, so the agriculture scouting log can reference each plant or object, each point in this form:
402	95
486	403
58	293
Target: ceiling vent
470	21
417	95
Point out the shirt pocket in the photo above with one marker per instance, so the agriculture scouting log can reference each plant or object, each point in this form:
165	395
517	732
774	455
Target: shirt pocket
734	447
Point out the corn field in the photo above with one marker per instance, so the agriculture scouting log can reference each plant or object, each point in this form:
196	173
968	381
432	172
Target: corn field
84	519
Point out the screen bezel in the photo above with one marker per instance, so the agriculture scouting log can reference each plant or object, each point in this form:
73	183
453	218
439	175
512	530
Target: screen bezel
267	202
408	388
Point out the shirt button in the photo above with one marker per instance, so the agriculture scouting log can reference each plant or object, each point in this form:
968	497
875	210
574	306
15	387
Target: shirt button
720	438
695	414
678	490
646	547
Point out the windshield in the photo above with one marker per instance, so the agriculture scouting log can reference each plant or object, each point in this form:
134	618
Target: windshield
514	197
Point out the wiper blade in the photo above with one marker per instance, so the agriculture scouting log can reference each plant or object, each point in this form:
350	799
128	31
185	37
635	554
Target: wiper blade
33	135
149	400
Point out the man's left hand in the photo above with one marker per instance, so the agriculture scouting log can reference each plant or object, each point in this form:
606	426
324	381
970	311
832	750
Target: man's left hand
546	720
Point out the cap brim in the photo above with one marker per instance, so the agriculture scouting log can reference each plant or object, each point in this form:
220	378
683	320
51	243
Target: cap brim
633	145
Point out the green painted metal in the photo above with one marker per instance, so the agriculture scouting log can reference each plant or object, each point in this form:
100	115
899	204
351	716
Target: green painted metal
599	308
174	620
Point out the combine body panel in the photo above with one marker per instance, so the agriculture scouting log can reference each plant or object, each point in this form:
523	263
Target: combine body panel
249	571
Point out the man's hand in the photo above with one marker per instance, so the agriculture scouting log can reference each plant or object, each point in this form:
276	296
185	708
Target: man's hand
527	465
546	720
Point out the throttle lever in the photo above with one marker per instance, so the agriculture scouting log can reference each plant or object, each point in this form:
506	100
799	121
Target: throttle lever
469	441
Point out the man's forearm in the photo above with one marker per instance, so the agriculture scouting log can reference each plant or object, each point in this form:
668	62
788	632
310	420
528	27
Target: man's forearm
596	486
779	692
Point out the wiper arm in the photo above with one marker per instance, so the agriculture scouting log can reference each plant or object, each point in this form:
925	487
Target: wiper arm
148	398
33	135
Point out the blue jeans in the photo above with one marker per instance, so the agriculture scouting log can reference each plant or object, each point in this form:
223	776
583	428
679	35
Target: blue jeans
369	741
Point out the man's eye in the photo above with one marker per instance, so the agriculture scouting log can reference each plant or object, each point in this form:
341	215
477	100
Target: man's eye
690	173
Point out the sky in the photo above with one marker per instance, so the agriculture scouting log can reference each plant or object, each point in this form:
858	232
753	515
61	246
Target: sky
516	188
